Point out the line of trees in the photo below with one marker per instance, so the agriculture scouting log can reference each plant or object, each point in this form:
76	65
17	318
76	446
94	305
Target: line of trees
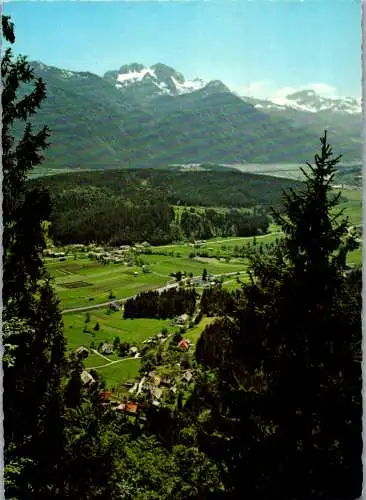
210	223
162	305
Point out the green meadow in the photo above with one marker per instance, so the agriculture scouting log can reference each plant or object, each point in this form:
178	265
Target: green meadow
133	331
119	372
81	282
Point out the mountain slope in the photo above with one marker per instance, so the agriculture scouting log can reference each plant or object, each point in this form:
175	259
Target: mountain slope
88	117
96	122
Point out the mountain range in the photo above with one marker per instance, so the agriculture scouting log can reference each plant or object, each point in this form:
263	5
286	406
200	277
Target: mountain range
152	116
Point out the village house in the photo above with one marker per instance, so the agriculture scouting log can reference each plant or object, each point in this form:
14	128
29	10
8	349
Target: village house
165	381
133	351
184	344
114	306
129	408
86	378
187	376
107	348
82	352
182	319
105	395
156	393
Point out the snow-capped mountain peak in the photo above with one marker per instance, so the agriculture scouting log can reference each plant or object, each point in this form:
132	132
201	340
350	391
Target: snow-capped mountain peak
164	79
309	101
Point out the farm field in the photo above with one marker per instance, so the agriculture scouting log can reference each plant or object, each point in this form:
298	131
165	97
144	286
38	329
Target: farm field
117	373
83	282
353	206
133	331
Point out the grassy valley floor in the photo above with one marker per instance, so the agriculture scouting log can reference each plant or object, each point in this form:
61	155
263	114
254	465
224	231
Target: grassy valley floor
82	282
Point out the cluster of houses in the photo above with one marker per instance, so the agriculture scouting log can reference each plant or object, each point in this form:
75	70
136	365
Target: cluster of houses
183	344
51	253
106	349
152	386
115	255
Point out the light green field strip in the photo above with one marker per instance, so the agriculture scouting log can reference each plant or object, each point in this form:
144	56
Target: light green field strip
133	331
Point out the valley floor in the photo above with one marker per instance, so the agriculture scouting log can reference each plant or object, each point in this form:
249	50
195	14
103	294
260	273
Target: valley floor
86	288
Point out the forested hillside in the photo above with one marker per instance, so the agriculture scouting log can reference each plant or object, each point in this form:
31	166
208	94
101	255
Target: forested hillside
94	124
124	206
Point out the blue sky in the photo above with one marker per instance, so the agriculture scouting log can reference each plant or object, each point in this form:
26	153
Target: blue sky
258	47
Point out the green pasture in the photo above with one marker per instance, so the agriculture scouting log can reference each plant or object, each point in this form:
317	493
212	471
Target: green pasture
133	331
166	265
218	246
194	333
355	257
84	282
119	372
352	206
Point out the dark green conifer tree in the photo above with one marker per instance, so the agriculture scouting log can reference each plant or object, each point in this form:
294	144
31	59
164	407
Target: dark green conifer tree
33	425
286	409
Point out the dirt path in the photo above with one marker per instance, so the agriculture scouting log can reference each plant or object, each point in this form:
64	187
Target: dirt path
117	301
108	364
101	355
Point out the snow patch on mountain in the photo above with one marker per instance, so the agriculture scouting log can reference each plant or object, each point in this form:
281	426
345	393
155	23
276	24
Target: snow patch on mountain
309	101
166	79
188	86
135	76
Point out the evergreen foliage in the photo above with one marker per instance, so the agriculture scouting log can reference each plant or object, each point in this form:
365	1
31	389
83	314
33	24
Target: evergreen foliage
119	207
166	304
286	402
33	423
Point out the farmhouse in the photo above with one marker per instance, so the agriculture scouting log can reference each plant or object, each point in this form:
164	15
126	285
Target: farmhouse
182	320
130	408
183	344
114	306
86	378
157	393
82	352
105	395
107	348
187	376
133	351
